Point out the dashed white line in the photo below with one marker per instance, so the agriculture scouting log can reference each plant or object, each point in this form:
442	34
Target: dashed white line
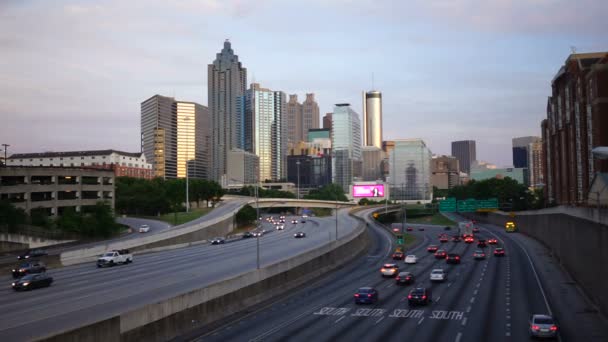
339	319
475	292
420	321
464	321
508	324
478	284
508	316
507	334
472	300
381	318
438	298
468	309
458	336
449	284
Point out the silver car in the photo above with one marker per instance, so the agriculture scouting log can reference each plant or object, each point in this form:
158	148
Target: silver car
543	326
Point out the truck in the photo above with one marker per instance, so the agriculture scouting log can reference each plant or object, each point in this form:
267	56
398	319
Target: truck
115	257
465	228
510	227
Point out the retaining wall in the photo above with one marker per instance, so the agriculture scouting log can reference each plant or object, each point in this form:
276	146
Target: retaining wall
580	245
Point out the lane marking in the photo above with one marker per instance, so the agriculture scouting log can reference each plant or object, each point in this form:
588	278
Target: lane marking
458	336
468	309
475	292
472	300
420	321
381	318
464	321
438	298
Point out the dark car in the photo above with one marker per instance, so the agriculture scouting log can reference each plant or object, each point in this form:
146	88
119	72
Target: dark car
499	252
303	221
366	295
432	248
543	326
409	229
492	241
34	253
443	239
447	228
218	241
405	278
398	256
481	243
479	255
469	239
30	267
452	258
248	235
440	254
32	281
419	296
456	238
475	230
421	229
299	235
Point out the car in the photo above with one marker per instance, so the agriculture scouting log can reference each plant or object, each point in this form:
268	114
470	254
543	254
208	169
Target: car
303	221
543	326
33	253
389	270
258	233
404	278
481	243
469	239
432	248
32	281
475	230
115	257
492	241
33	266
248	235
218	241
366	295
443	239
294	221
421	229
299	235
280	227
499	252
440	254
479	255
419	296
398	256
456	238
409	229
282	220
144	228
438	274
411	259
447	228
452	258
304	216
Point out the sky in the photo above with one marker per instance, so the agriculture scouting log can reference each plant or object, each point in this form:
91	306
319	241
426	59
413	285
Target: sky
74	72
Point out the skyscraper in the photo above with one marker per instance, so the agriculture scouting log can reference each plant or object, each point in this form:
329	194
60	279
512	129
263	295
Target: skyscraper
327	121
175	135
310	115
265	114
301	117
410	171
227	81
466	154
372	119
521	154
346	145
535	164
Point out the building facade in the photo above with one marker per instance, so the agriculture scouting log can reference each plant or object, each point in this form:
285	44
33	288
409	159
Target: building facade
226	83
122	163
242	168
576	123
346	146
310	114
535	165
267	138
372	163
314	170
521	154
301	117
327	121
372	119
445	172
517	174
465	152
175	135
50	190
410	171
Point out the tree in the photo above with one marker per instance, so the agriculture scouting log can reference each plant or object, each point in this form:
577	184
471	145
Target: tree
70	221
246	215
175	190
330	192
10	216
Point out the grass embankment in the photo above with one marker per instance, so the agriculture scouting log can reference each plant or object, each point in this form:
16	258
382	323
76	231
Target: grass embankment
436	219
183	217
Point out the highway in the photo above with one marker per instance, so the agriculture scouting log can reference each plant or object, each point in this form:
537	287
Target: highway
83	294
483	300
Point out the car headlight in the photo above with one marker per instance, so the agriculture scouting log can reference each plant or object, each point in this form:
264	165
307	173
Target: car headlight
26	284
13	284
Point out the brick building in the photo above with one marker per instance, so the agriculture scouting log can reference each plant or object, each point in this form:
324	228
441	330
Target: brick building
577	121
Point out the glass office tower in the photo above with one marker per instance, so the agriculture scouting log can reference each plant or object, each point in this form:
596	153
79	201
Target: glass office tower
346	146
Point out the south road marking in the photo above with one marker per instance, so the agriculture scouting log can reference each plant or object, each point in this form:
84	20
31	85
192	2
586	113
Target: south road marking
453	315
402	313
368	313
330	311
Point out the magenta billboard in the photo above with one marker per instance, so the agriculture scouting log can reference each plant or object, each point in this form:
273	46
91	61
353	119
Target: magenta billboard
374	190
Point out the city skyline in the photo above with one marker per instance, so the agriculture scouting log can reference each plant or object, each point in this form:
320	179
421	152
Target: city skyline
96	60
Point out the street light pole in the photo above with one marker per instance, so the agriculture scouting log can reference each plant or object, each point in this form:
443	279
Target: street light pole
5	152
298	167
186	119
257	210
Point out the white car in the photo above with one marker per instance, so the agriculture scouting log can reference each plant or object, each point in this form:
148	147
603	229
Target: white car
389	270
411	259
438	275
144	228
280	227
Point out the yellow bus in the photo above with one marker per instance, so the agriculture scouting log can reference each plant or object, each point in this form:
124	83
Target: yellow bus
510	227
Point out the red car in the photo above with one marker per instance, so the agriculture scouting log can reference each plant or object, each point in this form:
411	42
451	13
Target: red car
492	241
499	252
409	229
440	254
432	248
398	256
443	239
469	239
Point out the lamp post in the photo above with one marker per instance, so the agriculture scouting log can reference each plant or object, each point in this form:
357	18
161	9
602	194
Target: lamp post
257	210
187	118
5	152
298	195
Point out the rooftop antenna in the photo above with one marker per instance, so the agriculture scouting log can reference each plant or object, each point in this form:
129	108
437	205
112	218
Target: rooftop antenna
573	49
373	80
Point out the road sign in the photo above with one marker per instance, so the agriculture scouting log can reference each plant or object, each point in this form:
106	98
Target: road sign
487	205
448	205
400	241
467	206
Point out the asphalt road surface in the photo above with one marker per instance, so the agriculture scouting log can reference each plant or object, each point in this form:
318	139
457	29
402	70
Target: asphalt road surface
482	300
83	293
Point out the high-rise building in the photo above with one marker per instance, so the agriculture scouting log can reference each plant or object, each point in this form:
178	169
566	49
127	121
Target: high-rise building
175	135
242	168
465	152
327	121
535	164
346	146
445	172
372	163
521	154
227	81
575	124
265	114
517	174
372	119
410	171
301	117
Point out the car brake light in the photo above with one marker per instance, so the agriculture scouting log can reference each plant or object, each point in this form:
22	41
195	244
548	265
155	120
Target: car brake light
357	295
408	278
409	296
457	257
535	327
398	278
382	270
369	295
424	297
554	328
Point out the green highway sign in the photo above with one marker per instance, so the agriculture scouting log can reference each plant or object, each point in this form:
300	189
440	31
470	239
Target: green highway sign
467	206
448	205
487	205
400	241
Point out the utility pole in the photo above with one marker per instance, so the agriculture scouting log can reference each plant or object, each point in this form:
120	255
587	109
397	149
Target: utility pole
5	152
257	208
298	167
